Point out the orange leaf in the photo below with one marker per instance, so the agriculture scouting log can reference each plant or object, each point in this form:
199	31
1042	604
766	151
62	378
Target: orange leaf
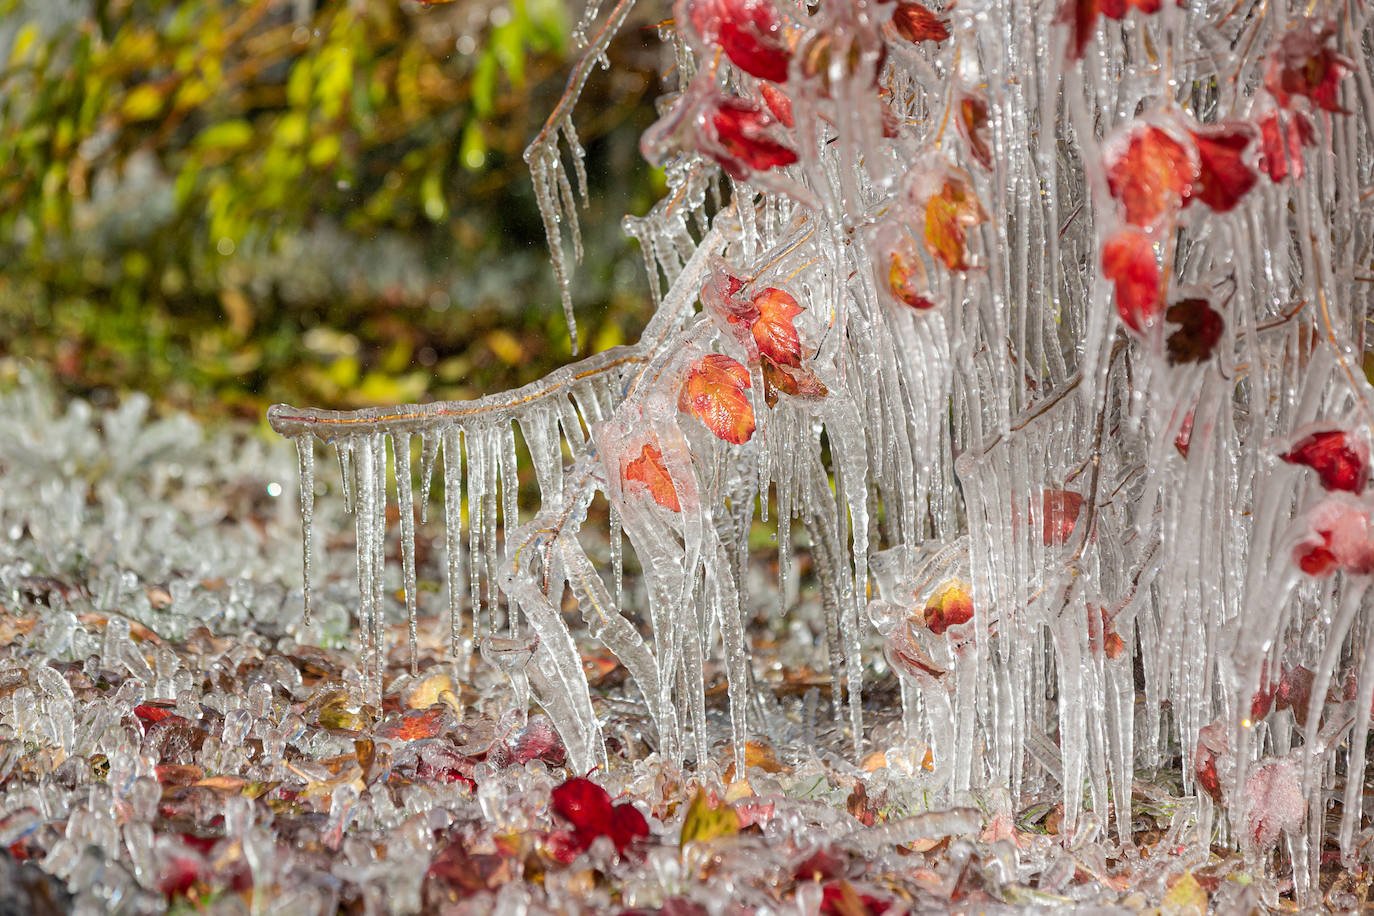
800	383
648	469
1128	260
714	392
915	23
774	329
948	212
973	124
1151	176
778	103
416	724
950	606
906	278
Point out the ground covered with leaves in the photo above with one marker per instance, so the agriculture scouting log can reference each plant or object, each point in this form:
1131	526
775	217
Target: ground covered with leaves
174	737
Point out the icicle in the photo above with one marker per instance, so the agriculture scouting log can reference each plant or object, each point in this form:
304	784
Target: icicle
376	445
405	502
546	171
344	448
510	492
540	430
365	508
476	503
490	442
305	454
617	543
453	533
429	450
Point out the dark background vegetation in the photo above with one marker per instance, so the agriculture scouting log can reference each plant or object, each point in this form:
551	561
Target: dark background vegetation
229	203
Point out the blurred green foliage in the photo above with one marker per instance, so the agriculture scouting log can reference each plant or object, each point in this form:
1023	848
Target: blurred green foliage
232	202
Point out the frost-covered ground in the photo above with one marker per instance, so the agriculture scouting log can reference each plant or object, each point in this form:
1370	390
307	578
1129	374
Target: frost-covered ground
172	736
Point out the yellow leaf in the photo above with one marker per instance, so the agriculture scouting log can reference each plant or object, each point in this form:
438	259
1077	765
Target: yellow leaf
705	821
324	150
23	40
143	103
1185	898
506	347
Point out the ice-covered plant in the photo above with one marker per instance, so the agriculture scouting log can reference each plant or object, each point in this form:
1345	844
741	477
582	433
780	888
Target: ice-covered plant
1045	322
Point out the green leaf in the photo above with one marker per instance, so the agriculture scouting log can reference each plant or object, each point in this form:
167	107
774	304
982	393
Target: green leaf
472	150
226	135
484	84
706	821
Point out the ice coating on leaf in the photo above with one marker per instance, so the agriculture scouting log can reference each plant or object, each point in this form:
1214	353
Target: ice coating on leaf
648	469
775	329
1081	18
1199	328
1306	63
1149	172
1060	510
1337	537
916	23
951	208
1275	803
976	126
743	142
1339	458
1128	260
750	32
714	392
1223	177
1283	136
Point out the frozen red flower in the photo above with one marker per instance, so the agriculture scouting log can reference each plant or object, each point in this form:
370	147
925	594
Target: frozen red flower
951	606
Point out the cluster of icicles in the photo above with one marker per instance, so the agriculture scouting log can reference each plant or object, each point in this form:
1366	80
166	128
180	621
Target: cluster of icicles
954	203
